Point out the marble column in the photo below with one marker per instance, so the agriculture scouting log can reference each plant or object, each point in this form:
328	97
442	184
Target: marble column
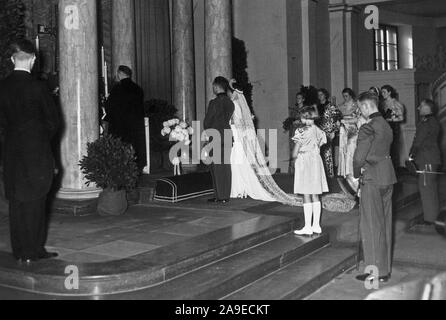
218	29
123	34
309	56
344	48
78	92
183	59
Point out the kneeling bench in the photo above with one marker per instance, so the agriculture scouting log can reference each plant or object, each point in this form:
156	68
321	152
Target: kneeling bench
185	187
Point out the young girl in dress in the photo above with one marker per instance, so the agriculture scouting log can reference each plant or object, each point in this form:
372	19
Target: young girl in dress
310	179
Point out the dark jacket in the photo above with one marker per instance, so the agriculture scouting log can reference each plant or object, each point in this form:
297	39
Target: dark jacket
219	115
373	153
29	118
425	149
125	111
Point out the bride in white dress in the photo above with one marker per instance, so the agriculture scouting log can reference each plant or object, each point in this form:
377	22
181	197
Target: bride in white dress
251	176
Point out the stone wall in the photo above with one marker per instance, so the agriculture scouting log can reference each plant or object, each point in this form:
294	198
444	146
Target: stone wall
263	25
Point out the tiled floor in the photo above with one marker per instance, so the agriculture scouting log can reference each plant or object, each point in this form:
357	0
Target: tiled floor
346	287
419	253
148	231
145	228
141	230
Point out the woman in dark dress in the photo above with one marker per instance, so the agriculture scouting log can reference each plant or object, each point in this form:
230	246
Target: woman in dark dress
394	113
330	122
295	116
295	111
377	92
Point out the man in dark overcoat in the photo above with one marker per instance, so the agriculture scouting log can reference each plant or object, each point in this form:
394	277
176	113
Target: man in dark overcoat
29	118
373	164
427	156
125	114
218	118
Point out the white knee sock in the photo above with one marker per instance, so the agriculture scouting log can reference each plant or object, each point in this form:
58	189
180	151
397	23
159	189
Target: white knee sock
308	212
317	211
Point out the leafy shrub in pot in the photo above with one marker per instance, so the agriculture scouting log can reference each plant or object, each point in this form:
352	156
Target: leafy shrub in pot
111	165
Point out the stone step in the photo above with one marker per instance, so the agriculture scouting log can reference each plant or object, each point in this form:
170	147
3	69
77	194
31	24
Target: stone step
148	269
301	278
219	279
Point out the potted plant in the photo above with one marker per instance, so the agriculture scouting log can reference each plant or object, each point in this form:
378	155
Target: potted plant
111	165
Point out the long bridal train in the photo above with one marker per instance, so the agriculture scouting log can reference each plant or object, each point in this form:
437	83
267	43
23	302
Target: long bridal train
251	176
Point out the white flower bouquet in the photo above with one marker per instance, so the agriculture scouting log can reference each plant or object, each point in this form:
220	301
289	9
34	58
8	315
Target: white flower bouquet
178	130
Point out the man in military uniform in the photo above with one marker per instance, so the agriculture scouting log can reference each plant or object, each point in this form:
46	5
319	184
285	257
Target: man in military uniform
373	164
427	156
218	117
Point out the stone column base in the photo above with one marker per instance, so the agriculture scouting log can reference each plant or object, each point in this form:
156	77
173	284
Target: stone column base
76	208
73	194
75	202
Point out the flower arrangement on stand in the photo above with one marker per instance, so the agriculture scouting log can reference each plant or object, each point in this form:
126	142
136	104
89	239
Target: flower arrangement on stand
179	131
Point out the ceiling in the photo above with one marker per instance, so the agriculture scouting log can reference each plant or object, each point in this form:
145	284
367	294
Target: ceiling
424	8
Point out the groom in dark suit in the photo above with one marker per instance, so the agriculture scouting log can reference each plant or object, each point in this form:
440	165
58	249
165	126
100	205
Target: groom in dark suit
29	119
218	118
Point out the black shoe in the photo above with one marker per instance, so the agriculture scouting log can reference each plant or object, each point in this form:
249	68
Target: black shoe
385	279
48	255
423	223
369	277
363	277
213	200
